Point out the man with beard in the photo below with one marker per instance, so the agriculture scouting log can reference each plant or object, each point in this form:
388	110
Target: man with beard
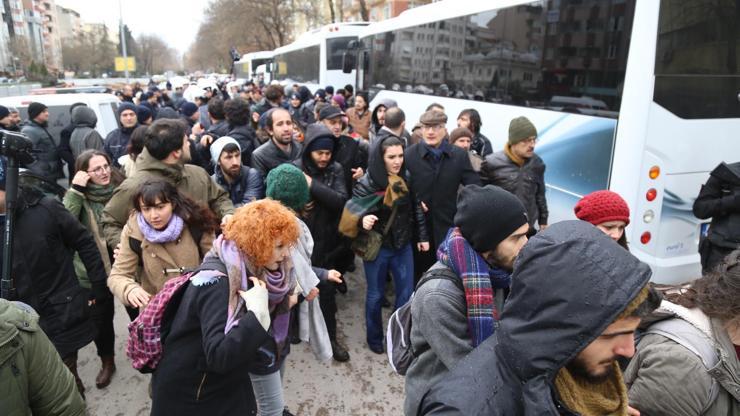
116	143
48	163
281	148
244	184
576	300
166	151
326	184
9	119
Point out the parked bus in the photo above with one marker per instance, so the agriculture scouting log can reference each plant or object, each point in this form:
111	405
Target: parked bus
315	58
254	66
653	105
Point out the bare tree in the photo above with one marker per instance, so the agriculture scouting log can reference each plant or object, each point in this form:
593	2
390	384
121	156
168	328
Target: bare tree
154	56
364	13
331	10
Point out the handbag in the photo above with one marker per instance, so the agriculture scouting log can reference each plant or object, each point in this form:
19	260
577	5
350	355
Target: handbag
367	244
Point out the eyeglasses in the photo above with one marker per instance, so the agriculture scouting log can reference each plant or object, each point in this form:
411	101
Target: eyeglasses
100	170
531	140
435	127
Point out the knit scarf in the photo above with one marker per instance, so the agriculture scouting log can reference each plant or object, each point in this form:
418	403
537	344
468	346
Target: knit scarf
98	196
479	281
169	234
358	207
514	158
588	398
238	269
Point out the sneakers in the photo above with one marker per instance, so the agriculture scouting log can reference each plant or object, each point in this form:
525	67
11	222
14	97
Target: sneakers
340	353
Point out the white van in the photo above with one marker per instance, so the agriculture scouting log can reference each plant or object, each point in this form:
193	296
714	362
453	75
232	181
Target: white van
104	105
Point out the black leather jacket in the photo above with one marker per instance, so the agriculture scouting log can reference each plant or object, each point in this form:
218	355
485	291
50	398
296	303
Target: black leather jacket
719	199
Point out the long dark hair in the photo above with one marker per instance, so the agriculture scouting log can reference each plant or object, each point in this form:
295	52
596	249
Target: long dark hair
194	214
83	163
475	120
717	292
136	143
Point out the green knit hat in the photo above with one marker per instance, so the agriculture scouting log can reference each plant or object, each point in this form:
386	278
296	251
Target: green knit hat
521	129
287	185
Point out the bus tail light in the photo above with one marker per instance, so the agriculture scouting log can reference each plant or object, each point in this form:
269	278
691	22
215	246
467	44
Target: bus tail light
648	216
654	172
651	194
645	237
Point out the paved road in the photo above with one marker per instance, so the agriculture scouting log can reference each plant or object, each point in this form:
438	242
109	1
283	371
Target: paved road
366	385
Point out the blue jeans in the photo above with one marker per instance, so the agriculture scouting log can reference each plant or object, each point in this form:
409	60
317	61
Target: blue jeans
401	264
268	392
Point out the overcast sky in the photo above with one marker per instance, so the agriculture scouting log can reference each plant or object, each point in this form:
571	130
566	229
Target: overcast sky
176	21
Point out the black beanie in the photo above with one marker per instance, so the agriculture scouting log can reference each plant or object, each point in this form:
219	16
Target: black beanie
4	112
34	109
487	215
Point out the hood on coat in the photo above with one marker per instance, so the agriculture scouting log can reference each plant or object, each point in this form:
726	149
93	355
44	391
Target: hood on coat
313	132
83	116
728	172
376	164
386	103
570	282
304	94
15	316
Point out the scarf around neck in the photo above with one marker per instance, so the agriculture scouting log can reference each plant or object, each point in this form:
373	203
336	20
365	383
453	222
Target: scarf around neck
358	207
479	281
514	158
169	234
588	398
97	196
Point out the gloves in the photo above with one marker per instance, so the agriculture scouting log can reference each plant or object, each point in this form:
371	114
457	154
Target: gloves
256	302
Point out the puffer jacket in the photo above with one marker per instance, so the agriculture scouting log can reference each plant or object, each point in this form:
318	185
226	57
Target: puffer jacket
719	199
556	308
33	379
191	180
84	136
48	162
526	182
660	361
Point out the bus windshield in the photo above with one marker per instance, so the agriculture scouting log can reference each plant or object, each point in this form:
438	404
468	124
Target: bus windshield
335	49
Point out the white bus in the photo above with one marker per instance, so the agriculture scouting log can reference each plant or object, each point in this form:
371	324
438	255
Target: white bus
315	58
661	80
256	66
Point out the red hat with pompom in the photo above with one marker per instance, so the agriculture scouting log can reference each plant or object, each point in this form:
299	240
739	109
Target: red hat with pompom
602	206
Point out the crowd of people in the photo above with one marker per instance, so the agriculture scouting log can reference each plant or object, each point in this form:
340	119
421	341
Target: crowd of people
266	195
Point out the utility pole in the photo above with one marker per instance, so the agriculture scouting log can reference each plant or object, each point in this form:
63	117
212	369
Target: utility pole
123	41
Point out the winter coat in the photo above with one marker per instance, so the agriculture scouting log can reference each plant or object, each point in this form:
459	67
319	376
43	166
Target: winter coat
48	162
660	362
437	186
481	145
348	154
65	152
360	123
158	262
719	199
33	378
116	143
527	182
247	139
218	129
569	284
268	156
439	333
248	187
191	180
328	194
46	238
204	371
84	136
410	222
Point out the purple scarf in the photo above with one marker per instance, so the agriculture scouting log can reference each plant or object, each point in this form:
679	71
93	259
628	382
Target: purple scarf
169	234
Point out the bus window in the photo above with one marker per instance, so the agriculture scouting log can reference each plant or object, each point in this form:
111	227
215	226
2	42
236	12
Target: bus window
335	49
697	62
300	66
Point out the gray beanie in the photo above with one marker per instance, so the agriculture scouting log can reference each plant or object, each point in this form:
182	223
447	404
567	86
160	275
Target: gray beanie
487	215
521	129
218	146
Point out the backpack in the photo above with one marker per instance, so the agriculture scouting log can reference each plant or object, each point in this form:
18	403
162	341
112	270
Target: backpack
148	330
398	336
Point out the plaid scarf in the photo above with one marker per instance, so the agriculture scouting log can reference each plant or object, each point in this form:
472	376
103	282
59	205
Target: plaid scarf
358	207
479	281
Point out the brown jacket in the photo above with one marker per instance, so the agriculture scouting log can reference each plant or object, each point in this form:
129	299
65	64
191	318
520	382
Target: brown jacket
361	125
156	258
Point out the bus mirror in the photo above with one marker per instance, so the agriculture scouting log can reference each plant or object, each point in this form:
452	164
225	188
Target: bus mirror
348	62
353	44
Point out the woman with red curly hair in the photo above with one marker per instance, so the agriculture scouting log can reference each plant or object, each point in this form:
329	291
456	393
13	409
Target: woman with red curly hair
233	318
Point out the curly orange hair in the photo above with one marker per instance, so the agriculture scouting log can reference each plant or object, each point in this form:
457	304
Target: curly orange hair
256	226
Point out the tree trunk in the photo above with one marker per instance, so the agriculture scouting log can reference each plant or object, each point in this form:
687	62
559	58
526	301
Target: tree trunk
364	14
331	10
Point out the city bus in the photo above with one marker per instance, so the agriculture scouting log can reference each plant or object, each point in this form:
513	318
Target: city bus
639	97
315	58
254	66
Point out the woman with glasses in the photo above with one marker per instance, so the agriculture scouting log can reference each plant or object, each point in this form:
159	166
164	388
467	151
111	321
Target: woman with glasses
92	187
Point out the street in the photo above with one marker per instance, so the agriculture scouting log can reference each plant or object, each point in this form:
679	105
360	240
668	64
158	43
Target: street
366	385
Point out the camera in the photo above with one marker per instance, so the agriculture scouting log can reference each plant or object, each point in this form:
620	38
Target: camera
17	146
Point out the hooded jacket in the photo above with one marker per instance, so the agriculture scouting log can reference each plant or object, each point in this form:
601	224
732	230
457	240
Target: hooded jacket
84	136
188	179
719	199
375	124
48	162
570	282
33	378
329	193
410	223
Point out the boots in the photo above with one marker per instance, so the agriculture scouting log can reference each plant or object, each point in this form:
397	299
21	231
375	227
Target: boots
340	353
71	363
106	371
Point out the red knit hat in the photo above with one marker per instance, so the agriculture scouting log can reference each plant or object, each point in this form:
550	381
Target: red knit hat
602	206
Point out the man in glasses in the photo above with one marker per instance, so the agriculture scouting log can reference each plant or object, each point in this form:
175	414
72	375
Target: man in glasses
436	171
520	171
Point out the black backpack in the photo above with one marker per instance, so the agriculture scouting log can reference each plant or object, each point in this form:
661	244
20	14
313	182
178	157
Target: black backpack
398	335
